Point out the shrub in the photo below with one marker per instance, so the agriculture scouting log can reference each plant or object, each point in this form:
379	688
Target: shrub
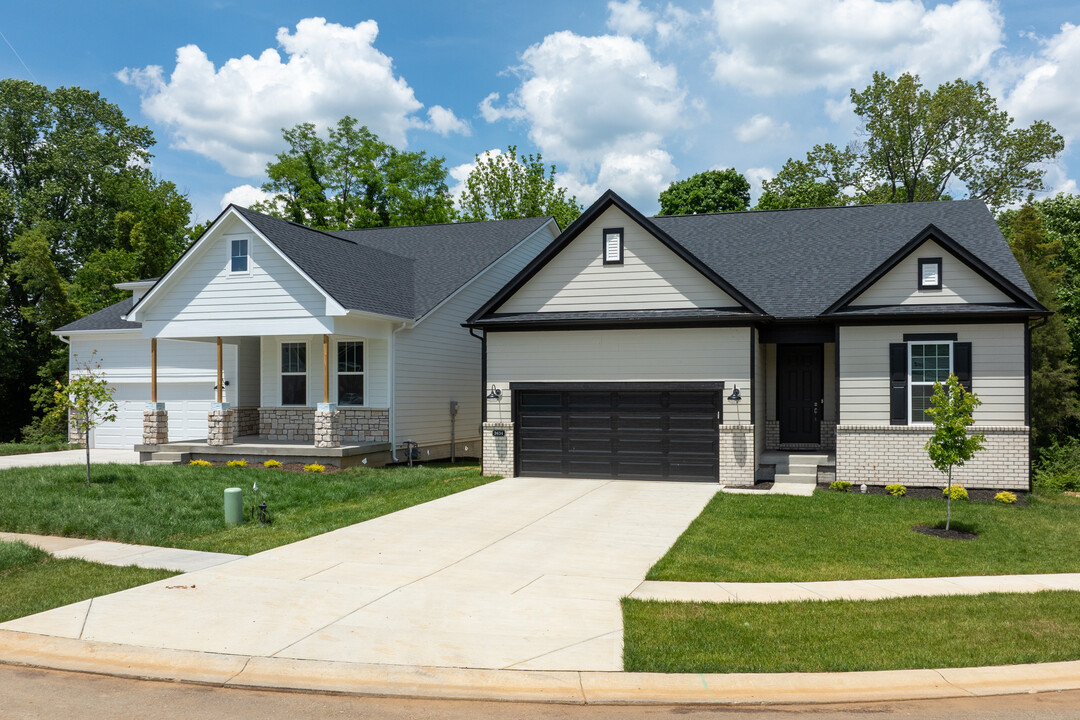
896	490
1058	467
314	467
840	485
199	463
237	463
958	493
1005	497
271	464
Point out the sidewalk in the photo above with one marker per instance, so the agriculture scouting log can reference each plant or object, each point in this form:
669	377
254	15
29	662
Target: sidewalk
69	457
114	553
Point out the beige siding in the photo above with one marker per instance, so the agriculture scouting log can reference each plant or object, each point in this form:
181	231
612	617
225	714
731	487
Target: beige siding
997	370
650	277
960	284
439	361
669	354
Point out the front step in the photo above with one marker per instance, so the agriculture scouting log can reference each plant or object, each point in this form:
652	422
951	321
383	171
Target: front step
796	472
168	458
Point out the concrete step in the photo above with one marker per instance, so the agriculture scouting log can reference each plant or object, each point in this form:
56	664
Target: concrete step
801	479
168	458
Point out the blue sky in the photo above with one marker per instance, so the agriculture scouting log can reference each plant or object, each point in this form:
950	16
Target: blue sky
628	94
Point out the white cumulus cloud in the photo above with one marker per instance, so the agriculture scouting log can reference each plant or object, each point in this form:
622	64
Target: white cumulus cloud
234	113
244	196
629	18
761	127
1048	87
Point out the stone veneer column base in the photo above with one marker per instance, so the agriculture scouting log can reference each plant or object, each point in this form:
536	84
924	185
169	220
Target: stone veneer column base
327	426
737	461
884	454
498	451
221	425
155	424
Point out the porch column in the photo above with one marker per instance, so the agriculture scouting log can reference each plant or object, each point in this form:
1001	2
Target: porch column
155	416
327	416
221	423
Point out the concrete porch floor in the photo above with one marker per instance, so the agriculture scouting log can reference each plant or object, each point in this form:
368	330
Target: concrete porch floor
255	448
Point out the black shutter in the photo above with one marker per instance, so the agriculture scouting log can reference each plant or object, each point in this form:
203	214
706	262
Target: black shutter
898	358
962	363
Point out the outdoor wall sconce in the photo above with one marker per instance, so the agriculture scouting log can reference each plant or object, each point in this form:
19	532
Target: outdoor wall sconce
494	394
735	395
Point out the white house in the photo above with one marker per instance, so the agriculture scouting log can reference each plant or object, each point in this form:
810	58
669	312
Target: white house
342	344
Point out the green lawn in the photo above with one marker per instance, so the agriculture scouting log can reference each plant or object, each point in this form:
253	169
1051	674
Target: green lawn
845	536
181	506
901	633
26	448
32	581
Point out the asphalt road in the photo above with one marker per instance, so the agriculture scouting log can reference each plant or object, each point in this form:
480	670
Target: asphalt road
30	693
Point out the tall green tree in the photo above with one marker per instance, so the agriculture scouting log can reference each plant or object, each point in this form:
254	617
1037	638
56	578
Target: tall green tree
712	191
352	179
73	179
505	186
915	144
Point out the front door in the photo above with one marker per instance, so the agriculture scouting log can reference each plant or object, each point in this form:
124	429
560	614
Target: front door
800	376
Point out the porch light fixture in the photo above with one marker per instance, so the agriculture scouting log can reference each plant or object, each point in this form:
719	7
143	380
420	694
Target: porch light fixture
735	395
494	394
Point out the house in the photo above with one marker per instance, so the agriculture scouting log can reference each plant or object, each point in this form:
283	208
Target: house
794	344
268	338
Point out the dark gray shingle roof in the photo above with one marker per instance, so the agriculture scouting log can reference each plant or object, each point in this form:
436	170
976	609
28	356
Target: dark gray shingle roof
111	318
796	263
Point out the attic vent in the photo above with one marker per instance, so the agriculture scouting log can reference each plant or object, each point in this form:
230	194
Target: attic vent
613	246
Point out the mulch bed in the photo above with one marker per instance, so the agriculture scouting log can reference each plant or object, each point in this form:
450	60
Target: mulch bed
950	534
933	493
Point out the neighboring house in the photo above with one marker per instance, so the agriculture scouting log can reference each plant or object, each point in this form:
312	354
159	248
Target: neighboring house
710	347
355	332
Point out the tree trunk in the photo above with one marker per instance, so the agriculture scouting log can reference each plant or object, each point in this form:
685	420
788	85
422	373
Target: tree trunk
948	501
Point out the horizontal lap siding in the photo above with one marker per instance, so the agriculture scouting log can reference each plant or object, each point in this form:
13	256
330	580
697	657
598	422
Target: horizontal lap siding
375	369
960	284
651	276
997	370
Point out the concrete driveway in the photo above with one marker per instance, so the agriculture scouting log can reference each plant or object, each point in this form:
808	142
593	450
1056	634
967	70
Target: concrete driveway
69	457
522	573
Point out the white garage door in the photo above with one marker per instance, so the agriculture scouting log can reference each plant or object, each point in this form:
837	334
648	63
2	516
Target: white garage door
187	403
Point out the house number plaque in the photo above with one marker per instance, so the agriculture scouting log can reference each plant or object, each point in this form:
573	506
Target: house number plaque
498	433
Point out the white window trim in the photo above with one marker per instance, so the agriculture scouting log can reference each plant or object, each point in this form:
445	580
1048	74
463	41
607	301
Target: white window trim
229	256
911	384
281	373
334	370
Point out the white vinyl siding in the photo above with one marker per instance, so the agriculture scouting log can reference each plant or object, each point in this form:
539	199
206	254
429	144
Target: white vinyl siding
375	369
960	284
667	354
651	276
997	370
439	361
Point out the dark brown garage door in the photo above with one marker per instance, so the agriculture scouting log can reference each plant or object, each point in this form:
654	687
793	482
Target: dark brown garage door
638	431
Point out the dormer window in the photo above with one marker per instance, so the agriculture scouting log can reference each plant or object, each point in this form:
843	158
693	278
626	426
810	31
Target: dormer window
929	273
238	256
613	246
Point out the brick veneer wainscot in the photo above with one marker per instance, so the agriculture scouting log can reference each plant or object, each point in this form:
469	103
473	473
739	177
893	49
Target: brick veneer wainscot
498	451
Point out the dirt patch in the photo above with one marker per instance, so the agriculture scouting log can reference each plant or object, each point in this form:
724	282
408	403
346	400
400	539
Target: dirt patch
950	534
933	493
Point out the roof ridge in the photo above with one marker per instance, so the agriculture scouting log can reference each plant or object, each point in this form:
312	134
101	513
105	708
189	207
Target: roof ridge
294	223
750	211
445	224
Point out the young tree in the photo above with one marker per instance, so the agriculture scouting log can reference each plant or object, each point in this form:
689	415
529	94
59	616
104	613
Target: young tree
352	180
712	191
950	409
504	186
915	143
87	401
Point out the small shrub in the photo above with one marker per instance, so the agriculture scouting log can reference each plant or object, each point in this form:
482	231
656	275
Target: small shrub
199	463
271	464
314	467
1058	468
958	493
896	490
237	463
1005	497
840	485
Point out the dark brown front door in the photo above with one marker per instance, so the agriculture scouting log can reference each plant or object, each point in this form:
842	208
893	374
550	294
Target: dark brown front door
800	375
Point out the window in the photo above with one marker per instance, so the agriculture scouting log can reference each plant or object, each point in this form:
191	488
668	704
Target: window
238	256
929	363
350	373
613	246
929	273
294	373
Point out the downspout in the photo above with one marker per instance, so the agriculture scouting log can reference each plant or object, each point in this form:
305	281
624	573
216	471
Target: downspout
64	340
391	351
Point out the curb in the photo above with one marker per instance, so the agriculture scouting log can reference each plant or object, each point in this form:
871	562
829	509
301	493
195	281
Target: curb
568	687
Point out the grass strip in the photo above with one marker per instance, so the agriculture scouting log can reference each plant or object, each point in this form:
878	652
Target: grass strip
842	636
182	506
27	448
845	536
32	581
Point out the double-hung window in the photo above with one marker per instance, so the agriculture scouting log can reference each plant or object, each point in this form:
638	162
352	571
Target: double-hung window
238	255
928	363
294	373
350	373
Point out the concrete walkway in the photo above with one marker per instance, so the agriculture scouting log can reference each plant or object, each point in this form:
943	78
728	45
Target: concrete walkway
69	457
114	553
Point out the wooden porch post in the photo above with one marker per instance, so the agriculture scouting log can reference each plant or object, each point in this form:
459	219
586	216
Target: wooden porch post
326	368
220	385
153	370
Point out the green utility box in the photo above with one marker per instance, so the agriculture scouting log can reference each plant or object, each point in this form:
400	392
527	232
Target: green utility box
234	506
